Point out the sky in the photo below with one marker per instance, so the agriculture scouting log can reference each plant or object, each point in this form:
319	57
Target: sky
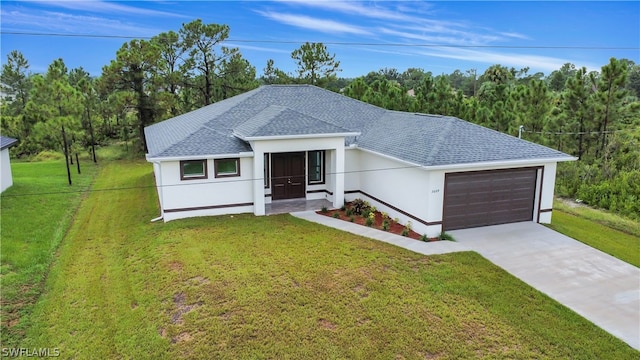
365	36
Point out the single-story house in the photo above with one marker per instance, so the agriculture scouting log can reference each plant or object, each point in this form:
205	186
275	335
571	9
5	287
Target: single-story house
6	178
281	142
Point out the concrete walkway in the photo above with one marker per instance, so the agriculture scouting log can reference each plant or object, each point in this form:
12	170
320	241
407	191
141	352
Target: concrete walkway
597	286
425	248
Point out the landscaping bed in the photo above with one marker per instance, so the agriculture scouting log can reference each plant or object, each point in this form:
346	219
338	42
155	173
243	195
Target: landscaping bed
362	213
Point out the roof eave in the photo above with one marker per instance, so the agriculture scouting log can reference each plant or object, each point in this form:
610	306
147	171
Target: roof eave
10	144
515	162
289	137
153	159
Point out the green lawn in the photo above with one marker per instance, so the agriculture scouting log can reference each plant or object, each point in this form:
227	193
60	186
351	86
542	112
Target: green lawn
32	228
602	217
279	287
621	245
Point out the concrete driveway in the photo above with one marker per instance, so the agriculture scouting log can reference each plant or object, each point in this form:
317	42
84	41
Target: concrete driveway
597	286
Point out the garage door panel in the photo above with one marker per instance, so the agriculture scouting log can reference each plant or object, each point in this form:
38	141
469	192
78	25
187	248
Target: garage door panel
488	197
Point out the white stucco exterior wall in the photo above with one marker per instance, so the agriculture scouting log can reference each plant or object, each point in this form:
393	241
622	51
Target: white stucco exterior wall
405	191
6	178
548	188
399	184
224	193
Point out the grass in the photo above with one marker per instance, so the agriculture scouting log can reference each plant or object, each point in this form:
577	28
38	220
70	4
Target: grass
600	216
32	228
232	287
621	245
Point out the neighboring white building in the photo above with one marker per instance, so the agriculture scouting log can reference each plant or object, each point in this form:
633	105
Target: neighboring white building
282	142
6	178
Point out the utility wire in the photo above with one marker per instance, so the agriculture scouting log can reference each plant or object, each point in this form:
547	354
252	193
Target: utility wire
339	42
202	182
573	133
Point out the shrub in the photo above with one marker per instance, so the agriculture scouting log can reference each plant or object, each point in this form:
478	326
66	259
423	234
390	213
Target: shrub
352	218
424	238
359	206
47	155
407	229
336	215
324	210
370	218
385	225
365	213
349	212
444	236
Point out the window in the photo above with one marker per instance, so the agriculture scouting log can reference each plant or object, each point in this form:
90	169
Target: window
227	167
193	169
266	171
316	167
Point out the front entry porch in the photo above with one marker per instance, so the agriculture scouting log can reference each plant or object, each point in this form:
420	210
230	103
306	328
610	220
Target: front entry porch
294	205
301	170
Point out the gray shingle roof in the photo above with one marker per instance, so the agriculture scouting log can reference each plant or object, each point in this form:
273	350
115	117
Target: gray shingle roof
278	110
276	120
6	142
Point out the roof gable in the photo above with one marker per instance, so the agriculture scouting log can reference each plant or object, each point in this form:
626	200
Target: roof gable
276	120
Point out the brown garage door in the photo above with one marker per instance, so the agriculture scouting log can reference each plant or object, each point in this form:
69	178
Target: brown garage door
493	197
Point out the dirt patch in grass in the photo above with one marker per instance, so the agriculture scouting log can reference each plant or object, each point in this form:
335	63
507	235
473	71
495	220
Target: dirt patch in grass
326	324
176	266
198	280
182	337
180	302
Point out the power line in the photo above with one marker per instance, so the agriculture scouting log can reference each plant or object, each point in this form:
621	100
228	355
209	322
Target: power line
341	43
573	133
199	183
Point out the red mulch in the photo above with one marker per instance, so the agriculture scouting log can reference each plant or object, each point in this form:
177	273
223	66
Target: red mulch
394	227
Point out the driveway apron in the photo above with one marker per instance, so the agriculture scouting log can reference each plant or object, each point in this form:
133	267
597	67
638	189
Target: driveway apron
597	286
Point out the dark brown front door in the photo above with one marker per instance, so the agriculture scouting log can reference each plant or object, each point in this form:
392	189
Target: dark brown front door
287	176
493	197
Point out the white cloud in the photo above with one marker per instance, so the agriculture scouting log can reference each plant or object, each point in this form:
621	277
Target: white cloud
72	24
440	38
354	8
538	62
307	22
515	35
256	48
106	7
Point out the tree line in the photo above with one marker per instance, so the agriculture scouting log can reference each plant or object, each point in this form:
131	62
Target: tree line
590	114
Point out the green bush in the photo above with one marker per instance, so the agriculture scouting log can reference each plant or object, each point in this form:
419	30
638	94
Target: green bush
444	236
48	155
385	225
359	206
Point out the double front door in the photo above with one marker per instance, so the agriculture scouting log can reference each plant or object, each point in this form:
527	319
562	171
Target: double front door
288	175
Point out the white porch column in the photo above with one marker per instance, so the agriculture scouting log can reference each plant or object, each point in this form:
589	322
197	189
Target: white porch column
258	182
338	183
